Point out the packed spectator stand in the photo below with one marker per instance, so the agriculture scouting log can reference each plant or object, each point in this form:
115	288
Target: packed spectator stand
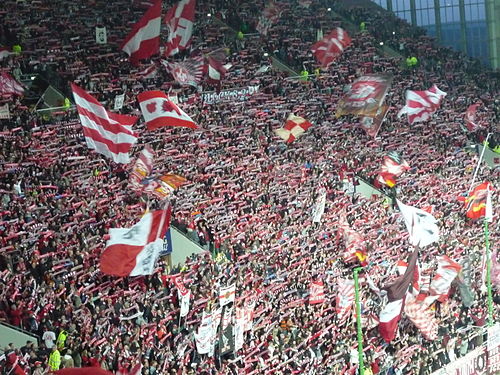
255	194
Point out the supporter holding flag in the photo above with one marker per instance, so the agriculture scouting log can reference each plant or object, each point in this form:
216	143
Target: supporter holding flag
470	117
134	251
393	166
158	111
331	46
107	133
144	39
420	105
179	20
421	225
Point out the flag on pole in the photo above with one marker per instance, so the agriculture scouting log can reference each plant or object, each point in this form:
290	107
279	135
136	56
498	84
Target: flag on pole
421	225
142	168
371	125
355	248
488	214
331	46
215	70
134	251
316	292
476	201
294	127
420	105
179	20
393	166
9	86
227	295
109	134
144	39
396	292
164	186
158	110
470	117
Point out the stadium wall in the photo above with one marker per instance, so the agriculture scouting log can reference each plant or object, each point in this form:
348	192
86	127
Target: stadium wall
10	334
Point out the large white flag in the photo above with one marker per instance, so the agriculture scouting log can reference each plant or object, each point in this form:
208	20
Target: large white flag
420	224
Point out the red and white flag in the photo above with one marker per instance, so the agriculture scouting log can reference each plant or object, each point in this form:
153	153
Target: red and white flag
9	86
184	295
142	168
393	166
188	72
420	105
158	110
144	39
447	271
148	72
109	134
470	117
270	16
355	247
331	46
294	127
422	317
316	292
4	52
179	20
396	293
345	299
134	251
227	295
215	70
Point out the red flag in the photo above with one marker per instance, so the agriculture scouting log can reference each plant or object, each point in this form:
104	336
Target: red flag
107	133
179	20
420	105
134	251
162	187
476	202
144	39
158	110
316	292
294	127
470	117
9	86
371	125
331	46
396	292
447	271
355	248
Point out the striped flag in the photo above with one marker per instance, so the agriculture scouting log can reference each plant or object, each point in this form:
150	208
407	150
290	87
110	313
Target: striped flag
393	166
396	292
215	70
134	251
144	39
420	105
316	292
107	133
331	46
179	20
447	271
422	317
345	299
355	247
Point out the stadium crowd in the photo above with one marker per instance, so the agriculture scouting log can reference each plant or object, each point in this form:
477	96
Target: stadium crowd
253	195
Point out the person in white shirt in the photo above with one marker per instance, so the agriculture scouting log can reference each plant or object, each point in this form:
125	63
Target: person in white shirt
49	337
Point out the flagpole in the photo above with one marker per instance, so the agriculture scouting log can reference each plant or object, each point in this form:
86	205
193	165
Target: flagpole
488	272
479	162
358	320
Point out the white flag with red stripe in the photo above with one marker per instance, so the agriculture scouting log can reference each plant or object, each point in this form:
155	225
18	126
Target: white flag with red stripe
227	295
422	318
215	70
148	72
158	110
109	134
420	105
9	86
345	299
316	292
134	251
470	117
179	20
331	46
144	39
447	271
294	127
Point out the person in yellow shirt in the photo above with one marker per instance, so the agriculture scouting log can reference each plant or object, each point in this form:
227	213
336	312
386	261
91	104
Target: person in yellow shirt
54	359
